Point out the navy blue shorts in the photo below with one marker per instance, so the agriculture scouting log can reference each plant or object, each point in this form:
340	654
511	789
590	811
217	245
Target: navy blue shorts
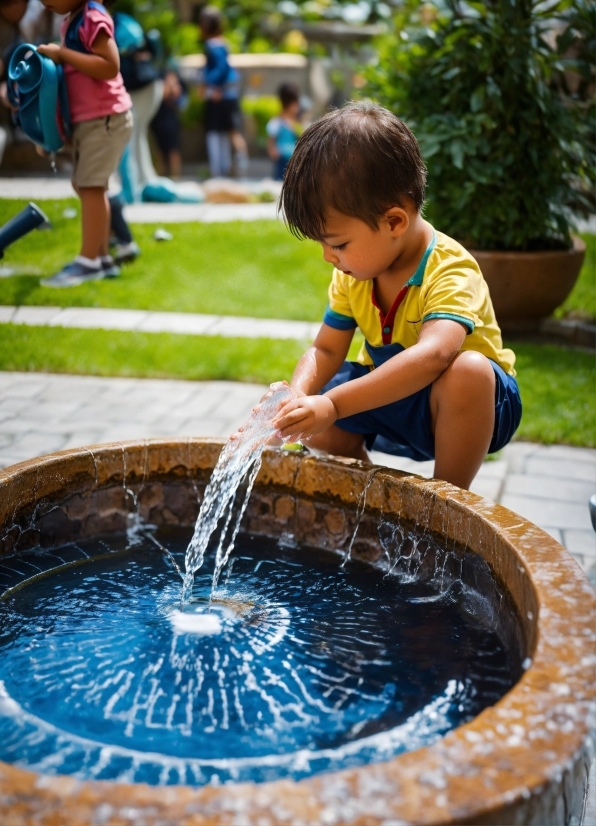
403	428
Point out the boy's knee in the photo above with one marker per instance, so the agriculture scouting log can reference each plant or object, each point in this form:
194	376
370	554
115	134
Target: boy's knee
470	373
471	365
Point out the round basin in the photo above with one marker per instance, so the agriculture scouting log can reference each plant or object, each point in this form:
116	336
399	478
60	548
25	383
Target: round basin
522	760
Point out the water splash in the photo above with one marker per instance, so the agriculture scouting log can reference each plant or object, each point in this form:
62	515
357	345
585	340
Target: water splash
239	459
360	510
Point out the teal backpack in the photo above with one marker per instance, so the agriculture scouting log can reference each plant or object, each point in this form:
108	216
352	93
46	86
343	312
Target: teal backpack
37	86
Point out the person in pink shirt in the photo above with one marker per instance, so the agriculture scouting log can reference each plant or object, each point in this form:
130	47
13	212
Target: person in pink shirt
101	114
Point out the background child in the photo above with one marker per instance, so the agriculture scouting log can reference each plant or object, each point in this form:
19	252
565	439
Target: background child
223	118
100	110
284	130
432	379
167	127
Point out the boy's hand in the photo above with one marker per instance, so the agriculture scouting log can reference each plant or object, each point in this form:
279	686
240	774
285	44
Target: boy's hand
51	50
302	418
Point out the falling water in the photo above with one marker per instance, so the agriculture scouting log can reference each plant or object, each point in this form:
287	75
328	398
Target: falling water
240	459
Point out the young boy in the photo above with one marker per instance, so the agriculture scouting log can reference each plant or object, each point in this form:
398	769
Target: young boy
432	379
100	110
284	130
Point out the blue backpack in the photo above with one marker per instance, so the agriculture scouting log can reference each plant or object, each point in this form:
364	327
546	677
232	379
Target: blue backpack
37	86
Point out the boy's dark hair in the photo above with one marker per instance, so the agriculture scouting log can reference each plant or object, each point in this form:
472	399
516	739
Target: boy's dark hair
211	21
288	93
359	160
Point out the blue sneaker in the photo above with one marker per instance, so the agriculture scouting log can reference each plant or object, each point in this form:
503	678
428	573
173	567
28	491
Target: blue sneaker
74	274
110	267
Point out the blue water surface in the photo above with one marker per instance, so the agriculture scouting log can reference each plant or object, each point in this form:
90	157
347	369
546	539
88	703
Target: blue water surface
301	666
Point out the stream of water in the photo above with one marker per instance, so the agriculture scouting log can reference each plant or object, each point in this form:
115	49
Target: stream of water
238	462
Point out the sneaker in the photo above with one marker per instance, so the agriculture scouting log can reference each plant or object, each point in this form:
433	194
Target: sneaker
110	267
126	252
74	274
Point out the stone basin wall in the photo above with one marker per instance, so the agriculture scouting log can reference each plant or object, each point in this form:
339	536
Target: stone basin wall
524	760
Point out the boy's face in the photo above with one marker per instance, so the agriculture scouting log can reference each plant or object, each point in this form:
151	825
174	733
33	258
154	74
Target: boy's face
358	250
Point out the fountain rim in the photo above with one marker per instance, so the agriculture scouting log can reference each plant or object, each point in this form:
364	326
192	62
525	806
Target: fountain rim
413	787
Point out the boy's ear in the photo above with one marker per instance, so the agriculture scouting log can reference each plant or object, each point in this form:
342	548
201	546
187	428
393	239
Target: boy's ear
398	220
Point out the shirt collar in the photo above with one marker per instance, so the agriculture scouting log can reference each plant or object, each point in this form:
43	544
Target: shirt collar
416	279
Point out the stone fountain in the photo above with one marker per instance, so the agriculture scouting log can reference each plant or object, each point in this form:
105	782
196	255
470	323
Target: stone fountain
524	760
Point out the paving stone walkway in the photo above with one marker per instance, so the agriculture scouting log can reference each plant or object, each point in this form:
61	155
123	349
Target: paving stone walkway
40	189
41	413
146	321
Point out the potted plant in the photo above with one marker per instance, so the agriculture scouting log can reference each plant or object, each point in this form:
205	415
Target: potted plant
509	150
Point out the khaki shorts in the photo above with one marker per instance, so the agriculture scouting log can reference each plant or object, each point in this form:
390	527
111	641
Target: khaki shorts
97	146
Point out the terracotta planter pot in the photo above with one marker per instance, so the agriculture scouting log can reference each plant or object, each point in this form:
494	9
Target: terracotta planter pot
527	287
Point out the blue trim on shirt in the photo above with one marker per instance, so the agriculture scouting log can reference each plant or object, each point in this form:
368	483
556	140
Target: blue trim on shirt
338	321
467	322
416	279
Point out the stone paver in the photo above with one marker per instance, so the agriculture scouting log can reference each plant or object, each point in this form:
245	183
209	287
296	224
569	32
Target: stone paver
40	189
103	318
40	413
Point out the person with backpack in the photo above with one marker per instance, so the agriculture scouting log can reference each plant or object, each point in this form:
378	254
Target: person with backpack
142	77
102	121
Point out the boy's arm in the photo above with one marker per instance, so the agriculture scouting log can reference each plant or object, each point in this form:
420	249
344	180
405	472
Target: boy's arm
318	364
272	149
439	342
321	361
102	64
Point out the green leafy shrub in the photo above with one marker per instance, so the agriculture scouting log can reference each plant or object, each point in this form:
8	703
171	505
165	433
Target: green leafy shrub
261	109
194	113
506	146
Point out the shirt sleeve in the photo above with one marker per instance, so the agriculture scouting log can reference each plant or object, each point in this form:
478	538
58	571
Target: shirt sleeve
338	313
273	127
96	21
455	293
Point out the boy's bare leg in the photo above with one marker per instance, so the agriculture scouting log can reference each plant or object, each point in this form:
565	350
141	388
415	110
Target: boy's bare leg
340	443
462	403
95	215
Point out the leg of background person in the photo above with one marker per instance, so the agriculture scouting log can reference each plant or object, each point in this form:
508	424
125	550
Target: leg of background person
95	217
145	103
125	169
241	150
3	141
214	153
462	403
175	163
117	220
226	153
152	101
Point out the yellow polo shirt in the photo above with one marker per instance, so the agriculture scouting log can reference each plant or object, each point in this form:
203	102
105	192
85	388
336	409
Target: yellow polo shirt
447	284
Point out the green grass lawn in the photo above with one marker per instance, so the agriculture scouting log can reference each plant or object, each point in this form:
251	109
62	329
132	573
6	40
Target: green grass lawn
149	355
247	269
581	304
557	385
